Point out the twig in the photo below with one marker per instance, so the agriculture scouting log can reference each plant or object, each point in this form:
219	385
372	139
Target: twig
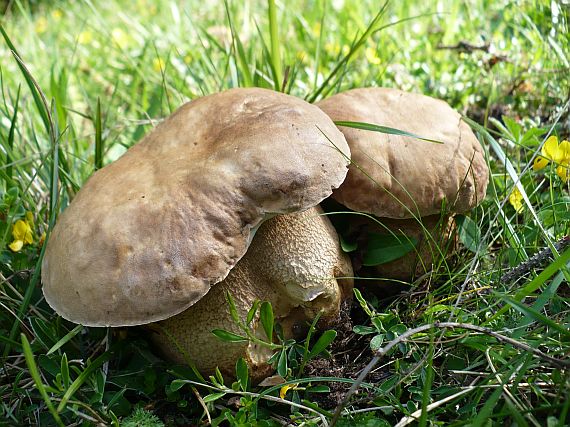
410	332
261	396
415	415
535	261
202	404
466	47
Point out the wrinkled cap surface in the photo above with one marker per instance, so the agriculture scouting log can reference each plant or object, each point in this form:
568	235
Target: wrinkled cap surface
148	235
402	177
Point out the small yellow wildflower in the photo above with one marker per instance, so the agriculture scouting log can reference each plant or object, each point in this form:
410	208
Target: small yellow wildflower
30	219
57	14
286	388
41	25
120	37
516	199
158	65
332	49
85	37
22	234
316	29
372	56
557	153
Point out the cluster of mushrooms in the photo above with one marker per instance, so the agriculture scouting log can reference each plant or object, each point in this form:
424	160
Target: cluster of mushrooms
224	196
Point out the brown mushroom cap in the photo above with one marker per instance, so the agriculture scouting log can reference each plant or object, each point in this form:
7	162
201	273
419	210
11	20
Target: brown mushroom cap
402	177
293	262
147	235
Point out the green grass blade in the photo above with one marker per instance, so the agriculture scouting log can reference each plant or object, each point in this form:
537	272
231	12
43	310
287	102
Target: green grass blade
27	298
276	66
356	46
534	284
9	159
39	99
98	137
65	339
35	374
240	51
532	313
82	378
428	382
383	129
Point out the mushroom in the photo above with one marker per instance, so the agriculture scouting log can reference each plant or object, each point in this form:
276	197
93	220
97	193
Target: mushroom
293	262
150	234
410	186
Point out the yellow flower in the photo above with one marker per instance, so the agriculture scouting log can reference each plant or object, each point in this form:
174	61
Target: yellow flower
316	29
158	65
85	37
332	49
120	37
57	14
516	199
557	153
22	234
41	25
286	388
372	56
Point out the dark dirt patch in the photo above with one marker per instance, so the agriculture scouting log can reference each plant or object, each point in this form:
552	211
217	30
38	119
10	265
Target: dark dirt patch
350	353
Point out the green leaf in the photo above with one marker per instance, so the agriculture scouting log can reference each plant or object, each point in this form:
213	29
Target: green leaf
346	245
532	313
65	339
64	371
35	374
383	248
469	232
213	397
362	302
282	363
242	373
232	307
363	330
177	385
376	342
252	311
558	264
267	319
383	129
319	389
322	343
43	331
229	336
82	378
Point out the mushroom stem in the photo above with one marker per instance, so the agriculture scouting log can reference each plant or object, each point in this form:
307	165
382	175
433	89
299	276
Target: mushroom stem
292	263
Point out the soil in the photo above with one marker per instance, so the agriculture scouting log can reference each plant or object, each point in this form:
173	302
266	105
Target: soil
350	353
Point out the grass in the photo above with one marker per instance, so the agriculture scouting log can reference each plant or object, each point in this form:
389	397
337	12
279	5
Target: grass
82	81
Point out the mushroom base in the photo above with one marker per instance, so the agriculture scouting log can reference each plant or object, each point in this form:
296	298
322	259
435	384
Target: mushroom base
434	238
293	263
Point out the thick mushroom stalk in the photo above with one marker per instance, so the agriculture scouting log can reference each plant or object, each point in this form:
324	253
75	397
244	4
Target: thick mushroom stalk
294	262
